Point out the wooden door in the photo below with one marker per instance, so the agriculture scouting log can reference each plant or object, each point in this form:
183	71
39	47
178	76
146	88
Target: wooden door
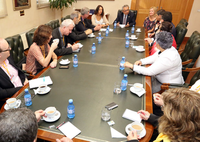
179	8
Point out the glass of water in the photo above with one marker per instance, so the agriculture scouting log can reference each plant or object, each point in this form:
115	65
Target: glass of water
117	89
105	114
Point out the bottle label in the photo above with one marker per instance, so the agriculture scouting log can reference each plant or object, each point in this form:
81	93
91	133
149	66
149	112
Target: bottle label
124	84
121	64
27	100
75	62
70	111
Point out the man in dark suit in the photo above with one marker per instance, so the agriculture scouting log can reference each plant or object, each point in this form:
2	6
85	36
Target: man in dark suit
125	17
76	35
64	30
11	77
85	23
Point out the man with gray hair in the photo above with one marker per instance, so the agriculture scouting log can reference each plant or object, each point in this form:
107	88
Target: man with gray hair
61	33
85	23
125	17
76	35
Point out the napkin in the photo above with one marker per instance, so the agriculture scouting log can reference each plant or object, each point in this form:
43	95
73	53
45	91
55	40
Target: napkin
121	25
80	45
131	115
116	134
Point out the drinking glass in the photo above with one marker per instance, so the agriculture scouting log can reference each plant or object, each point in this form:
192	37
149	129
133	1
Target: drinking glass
117	89
105	114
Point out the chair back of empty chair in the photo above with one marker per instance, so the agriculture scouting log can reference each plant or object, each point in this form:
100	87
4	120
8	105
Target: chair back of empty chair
29	37
181	31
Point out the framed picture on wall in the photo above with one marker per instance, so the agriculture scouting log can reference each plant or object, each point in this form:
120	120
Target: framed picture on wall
21	4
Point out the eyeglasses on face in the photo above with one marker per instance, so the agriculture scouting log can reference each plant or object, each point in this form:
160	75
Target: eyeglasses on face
9	48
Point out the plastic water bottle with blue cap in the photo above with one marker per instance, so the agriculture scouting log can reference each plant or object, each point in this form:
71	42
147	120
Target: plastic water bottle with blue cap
127	43
124	83
93	50
75	61
133	29
115	24
121	67
27	98
127	34
70	109
99	38
107	32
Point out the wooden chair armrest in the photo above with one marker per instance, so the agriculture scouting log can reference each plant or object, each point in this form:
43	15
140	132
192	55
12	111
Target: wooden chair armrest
187	62
191	69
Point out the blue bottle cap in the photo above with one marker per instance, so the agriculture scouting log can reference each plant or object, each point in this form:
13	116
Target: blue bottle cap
123	57
26	90
75	55
93	43
70	100
125	75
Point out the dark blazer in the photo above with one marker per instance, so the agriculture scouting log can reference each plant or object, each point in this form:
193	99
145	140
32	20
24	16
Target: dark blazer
84	25
60	51
7	89
130	18
75	36
153	119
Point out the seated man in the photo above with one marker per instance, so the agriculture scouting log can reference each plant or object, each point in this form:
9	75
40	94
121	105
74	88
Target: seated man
64	30
125	17
85	23
21	125
11	77
75	35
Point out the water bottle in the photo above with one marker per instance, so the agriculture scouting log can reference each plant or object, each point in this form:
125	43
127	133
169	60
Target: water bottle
115	24
107	32
127	43
99	39
124	83
133	29
27	98
108	28
121	67
93	48
75	61
70	109
127	35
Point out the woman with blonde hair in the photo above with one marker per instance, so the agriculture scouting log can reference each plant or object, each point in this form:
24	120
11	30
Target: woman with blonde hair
150	21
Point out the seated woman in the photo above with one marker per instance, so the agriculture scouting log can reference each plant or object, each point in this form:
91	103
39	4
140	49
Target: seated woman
150	21
164	26
181	113
40	53
98	18
166	64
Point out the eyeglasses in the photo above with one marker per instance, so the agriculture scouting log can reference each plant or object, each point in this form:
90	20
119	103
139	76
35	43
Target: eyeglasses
9	48
125	10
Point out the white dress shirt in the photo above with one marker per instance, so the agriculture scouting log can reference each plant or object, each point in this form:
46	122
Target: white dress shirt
166	66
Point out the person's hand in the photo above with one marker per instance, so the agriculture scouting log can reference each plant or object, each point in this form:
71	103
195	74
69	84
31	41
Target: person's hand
144	115
158	99
149	40
128	65
75	47
152	35
69	45
64	139
132	135
38	114
26	81
53	64
139	63
127	25
88	31
54	45
97	28
118	24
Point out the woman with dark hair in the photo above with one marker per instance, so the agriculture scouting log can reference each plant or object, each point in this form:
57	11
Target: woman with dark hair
98	18
166	64
40	53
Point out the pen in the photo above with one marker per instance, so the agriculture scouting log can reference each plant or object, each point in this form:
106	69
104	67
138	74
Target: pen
60	125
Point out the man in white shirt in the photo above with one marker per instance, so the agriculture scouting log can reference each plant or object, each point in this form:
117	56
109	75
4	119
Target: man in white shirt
166	64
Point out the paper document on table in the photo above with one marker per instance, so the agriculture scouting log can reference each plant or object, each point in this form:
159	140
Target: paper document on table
116	134
131	115
69	130
34	83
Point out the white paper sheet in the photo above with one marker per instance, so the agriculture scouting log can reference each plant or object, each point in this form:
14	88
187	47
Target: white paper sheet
131	115
34	83
116	134
69	130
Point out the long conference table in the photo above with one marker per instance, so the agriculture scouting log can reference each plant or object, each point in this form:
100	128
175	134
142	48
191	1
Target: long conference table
91	85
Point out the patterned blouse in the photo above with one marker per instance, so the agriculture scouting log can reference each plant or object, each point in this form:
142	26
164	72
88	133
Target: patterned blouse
149	24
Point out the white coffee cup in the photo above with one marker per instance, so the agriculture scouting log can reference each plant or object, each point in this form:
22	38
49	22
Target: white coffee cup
138	87
56	40
50	112
137	126
133	36
12	102
42	87
139	30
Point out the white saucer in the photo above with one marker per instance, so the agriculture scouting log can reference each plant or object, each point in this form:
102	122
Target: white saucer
140	49
142	134
6	107
56	117
91	35
139	93
102	30
44	92
138	31
133	38
64	62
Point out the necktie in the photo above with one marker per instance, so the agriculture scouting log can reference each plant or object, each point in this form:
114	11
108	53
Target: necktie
124	20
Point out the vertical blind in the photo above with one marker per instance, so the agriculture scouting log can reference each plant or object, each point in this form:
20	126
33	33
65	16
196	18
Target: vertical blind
3	9
42	3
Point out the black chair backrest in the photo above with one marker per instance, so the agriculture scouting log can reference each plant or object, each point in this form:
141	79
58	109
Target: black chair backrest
17	49
66	17
184	22
53	24
195	78
134	11
29	36
181	31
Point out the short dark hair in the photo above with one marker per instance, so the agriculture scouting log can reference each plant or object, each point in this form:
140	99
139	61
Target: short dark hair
166	26
97	9
167	16
18	125
164	39
160	12
42	34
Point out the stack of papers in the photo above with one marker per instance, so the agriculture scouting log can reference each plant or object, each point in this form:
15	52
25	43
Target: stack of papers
34	83
131	115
